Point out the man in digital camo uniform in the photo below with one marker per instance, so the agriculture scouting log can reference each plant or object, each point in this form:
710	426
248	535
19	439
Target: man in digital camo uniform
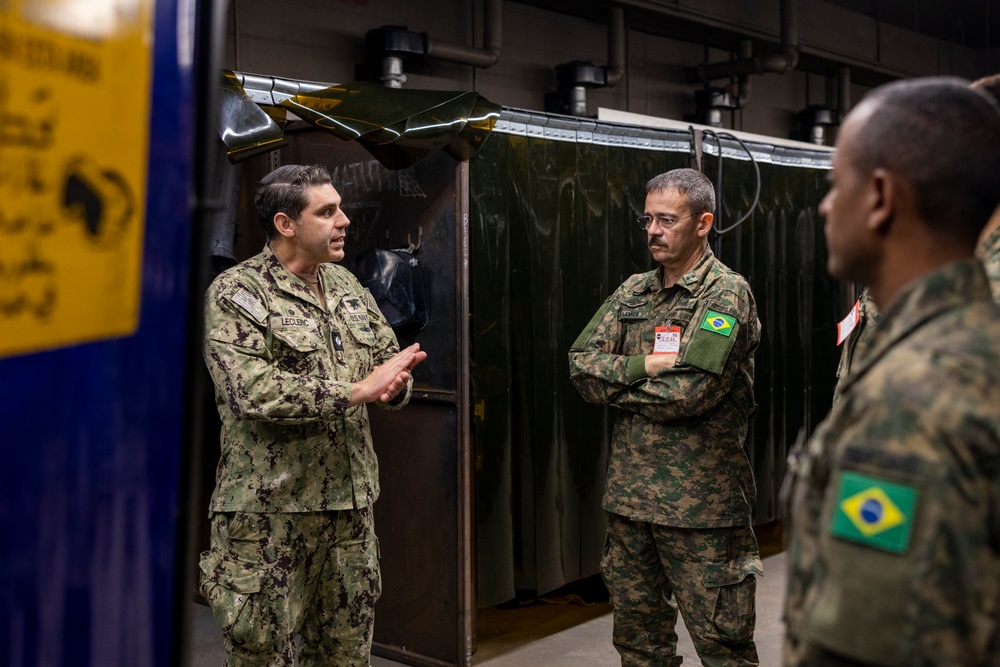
673	350
296	349
987	250
895	528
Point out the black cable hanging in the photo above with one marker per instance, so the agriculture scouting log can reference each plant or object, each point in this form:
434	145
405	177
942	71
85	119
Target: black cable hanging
719	136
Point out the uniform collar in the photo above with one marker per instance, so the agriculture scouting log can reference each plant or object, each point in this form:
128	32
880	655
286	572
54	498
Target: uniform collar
952	286
287	281
990	245
690	281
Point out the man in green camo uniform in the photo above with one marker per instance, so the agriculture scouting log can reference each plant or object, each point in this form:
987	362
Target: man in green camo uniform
987	251
895	519
673	350
296	349
858	339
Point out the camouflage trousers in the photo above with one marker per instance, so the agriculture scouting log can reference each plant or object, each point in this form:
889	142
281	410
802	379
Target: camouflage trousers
708	574
270	577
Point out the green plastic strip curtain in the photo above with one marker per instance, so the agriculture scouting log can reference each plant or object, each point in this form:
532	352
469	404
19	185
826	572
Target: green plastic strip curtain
552	205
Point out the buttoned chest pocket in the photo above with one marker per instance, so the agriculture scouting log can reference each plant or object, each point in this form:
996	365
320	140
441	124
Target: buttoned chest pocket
299	351
355	315
682	313
633	315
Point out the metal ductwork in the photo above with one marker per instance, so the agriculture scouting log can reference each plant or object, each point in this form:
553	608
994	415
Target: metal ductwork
575	77
465	55
780	62
388	47
843	90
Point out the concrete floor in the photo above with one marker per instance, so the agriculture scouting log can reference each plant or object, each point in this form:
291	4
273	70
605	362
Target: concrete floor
564	633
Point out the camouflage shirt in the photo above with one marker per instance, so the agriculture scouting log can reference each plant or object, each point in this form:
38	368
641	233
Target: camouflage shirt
988	253
895	522
677	453
282	368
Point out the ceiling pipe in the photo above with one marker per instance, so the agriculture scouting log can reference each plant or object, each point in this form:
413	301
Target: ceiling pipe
466	55
743	86
616	47
843	90
784	60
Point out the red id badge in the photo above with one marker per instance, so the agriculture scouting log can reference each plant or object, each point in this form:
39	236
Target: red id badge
667	340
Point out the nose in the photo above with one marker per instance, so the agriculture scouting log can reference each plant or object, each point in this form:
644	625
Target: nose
824	205
344	220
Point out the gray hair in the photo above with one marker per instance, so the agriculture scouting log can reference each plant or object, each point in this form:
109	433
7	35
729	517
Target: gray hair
691	183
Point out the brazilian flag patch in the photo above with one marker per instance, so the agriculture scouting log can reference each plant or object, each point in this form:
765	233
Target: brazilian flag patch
719	323
874	512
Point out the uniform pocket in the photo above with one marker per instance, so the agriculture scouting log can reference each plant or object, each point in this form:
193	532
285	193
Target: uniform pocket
297	350
734	585
232	590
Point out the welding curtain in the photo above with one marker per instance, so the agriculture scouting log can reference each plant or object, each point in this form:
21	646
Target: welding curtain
553	233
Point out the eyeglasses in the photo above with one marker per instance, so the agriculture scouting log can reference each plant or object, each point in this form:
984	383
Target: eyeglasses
664	221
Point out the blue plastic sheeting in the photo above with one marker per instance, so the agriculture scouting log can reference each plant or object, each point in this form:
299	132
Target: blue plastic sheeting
91	441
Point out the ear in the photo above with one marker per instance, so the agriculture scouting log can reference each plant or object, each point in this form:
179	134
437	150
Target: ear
284	225
704	224
883	200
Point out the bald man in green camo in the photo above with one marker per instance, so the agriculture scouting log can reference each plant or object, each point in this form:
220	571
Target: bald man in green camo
672	349
987	251
297	349
894	523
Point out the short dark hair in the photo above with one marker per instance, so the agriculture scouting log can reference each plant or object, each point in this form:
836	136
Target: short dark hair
691	183
944	139
284	191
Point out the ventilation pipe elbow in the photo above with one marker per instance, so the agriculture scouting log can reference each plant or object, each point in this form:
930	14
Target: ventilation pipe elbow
616	47
465	55
574	78
780	62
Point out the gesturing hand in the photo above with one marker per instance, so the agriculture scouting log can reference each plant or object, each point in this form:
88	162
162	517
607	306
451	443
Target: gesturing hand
387	380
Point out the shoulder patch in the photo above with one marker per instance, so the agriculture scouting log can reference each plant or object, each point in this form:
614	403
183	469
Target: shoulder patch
874	512
711	343
250	304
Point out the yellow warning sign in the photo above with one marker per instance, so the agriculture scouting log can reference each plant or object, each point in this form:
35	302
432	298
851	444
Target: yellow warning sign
74	122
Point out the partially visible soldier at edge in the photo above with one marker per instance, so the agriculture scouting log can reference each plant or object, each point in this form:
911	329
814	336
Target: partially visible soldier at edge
297	348
673	350
894	525
988	252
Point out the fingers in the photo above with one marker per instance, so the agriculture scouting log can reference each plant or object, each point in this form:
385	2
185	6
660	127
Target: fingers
397	385
390	377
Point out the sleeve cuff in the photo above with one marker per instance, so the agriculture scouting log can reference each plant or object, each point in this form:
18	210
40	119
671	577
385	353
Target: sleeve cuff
401	399
337	399
636	368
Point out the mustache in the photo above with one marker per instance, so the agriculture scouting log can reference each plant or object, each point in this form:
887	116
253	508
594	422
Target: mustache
656	244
